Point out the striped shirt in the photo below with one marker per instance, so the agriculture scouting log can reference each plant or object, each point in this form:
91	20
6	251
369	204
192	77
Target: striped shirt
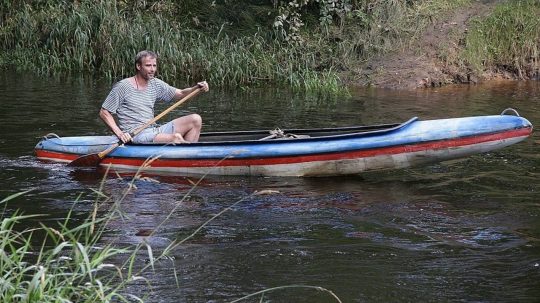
133	107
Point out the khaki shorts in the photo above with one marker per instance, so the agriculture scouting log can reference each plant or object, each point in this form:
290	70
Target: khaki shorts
148	134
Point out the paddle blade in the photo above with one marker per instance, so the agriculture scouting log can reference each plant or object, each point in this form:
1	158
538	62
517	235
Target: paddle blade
91	160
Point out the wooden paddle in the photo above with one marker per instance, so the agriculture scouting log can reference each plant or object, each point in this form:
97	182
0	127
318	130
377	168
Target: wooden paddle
95	159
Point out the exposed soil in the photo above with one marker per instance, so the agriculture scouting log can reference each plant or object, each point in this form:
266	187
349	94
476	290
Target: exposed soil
432	61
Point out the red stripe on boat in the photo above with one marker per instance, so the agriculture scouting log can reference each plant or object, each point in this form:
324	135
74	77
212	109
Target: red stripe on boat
49	155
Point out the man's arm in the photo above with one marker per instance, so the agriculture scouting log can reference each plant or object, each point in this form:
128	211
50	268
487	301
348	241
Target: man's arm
108	118
181	93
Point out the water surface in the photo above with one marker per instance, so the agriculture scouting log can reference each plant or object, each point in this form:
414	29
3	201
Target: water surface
465	230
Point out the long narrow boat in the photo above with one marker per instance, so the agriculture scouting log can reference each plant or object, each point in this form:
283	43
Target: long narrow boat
305	152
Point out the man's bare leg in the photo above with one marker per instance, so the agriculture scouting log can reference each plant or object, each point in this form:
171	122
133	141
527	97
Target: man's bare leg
187	129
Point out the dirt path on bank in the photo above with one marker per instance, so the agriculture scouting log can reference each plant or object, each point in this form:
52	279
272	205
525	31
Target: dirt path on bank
431	61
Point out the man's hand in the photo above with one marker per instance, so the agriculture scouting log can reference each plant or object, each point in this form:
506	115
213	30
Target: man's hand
124	137
203	86
181	93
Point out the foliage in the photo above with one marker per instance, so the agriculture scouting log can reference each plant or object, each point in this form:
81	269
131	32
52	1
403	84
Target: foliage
103	37
356	30
289	20
304	44
508	39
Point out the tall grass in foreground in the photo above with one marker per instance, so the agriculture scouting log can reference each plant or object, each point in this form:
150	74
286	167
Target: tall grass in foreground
508	39
72	265
66	267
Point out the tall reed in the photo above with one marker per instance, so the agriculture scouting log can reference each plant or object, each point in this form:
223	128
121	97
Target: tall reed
103	36
66	267
99	37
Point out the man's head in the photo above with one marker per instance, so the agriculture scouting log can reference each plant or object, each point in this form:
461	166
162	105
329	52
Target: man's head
146	63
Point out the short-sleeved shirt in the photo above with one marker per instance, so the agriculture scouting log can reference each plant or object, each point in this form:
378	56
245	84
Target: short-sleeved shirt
134	107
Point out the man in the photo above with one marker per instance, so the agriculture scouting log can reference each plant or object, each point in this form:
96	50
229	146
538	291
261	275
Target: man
132	101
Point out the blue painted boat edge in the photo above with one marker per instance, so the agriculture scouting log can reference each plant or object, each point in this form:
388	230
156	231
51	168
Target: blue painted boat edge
411	131
80	145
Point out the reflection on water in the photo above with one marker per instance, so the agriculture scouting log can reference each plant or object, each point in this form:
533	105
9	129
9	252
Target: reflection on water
463	230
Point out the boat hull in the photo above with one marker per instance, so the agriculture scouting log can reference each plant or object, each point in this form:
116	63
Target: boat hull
396	146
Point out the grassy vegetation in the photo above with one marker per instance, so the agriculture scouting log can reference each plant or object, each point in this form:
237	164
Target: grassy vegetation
375	28
66	267
303	44
70	263
507	40
102	37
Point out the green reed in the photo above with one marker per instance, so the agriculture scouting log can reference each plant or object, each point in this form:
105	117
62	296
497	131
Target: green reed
102	38
506	40
71	264
66	266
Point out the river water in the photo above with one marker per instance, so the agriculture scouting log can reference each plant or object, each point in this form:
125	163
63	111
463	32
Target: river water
465	230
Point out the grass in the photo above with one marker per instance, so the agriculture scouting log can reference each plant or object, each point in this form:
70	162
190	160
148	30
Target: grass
507	40
66	267
103	36
70	264
229	47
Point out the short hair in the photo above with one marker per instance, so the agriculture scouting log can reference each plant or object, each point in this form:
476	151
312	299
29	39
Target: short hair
143	54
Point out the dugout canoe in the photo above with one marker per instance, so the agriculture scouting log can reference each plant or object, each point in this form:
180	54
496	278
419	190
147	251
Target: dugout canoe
305	152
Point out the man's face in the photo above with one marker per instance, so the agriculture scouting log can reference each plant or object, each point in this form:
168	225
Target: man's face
148	67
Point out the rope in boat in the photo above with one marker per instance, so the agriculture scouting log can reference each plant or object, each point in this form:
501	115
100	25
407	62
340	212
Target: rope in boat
280	134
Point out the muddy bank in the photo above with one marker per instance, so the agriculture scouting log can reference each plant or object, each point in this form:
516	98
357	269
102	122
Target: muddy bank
433	60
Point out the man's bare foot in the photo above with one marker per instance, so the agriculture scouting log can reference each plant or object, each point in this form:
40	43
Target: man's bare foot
178	139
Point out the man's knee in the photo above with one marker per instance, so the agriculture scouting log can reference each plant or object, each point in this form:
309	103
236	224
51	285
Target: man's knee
196	120
188	122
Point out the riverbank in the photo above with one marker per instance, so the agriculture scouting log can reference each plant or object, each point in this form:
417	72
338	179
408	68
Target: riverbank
305	45
439	57
423	64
